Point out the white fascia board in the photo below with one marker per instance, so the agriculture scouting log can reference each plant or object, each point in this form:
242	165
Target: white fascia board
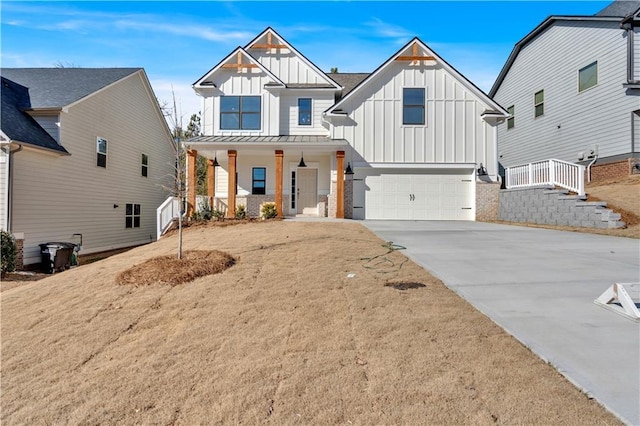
198	84
461	166
300	55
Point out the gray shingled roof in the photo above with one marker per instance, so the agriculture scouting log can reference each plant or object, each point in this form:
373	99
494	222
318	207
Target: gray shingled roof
18	125
58	87
620	8
348	80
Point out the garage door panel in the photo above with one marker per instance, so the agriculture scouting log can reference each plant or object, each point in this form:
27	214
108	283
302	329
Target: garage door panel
423	195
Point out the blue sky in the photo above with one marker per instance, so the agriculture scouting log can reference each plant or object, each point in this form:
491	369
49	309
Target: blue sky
177	42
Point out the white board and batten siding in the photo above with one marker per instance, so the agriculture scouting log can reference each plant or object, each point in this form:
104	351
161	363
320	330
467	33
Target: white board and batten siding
234	83
320	102
57	196
636	54
573	121
454	131
288	66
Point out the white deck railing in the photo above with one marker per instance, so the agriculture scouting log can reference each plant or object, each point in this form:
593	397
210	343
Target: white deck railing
547	172
167	211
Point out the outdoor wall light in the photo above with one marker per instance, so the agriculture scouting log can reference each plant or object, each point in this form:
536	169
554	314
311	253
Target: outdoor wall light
215	161
301	163
348	170
115	206
482	171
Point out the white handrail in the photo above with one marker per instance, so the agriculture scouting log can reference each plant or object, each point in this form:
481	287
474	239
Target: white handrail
167	211
547	172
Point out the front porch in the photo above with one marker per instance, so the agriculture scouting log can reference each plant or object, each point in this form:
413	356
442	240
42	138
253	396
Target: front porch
302	175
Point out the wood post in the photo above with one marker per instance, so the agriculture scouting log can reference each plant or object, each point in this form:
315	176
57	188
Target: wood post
231	192
211	183
192	155
340	185
279	161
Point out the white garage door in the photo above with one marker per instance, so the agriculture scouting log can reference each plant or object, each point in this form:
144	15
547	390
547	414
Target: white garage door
433	195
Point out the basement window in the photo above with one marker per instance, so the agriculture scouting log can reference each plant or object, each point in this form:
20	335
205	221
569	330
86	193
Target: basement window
132	216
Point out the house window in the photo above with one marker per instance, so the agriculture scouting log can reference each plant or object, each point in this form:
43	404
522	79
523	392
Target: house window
259	181
588	76
132	216
240	112
413	106
304	112
538	102
293	190
511	121
145	165
101	152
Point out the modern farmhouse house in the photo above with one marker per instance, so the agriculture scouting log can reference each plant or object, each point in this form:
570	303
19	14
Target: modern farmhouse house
412	140
84	154
572	89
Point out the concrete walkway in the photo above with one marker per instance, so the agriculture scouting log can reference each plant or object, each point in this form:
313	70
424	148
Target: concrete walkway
539	285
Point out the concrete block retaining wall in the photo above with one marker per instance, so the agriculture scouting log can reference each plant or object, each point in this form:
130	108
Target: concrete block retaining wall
548	206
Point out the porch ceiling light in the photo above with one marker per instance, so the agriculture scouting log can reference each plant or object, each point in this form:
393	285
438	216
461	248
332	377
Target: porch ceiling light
215	162
301	163
348	170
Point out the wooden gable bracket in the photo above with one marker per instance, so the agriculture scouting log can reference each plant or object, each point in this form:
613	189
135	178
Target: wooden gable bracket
239	65
269	45
415	56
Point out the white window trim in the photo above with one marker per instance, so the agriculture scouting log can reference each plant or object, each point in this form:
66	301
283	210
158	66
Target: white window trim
541	103
106	153
426	121
597	77
218	118
298	110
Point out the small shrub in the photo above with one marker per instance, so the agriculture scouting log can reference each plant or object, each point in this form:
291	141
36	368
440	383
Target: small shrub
241	212
268	211
205	210
196	216
217	214
9	253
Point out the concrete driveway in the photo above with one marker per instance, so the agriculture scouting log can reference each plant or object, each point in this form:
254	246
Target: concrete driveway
539	285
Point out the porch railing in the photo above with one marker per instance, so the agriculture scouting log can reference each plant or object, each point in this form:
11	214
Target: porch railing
547	172
166	213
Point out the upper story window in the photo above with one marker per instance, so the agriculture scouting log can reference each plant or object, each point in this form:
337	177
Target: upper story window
101	152
240	112
145	165
588	76
538	102
511	121
259	180
304	112
413	106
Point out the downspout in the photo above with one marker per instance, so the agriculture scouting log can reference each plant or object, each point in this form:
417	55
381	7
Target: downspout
589	168
629	29
10	188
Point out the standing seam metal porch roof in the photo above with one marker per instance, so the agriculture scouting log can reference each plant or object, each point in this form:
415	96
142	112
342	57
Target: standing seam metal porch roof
266	139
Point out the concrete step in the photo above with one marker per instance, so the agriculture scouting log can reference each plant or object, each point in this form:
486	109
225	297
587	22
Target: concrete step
572	197
617	224
556	192
591	204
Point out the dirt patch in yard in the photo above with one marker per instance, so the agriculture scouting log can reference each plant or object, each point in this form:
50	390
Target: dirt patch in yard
316	323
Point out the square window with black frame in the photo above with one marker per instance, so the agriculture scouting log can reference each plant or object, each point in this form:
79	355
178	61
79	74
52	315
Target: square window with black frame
259	181
132	216
101	152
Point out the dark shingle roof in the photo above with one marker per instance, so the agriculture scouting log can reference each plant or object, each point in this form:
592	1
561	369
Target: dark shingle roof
620	8
58	87
18	125
348	80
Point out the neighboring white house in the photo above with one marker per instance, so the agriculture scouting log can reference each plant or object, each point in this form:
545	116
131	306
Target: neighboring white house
420	138
85	153
572	88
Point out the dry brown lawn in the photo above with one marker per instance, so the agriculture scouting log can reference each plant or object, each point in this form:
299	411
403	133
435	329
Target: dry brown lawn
316	323
622	195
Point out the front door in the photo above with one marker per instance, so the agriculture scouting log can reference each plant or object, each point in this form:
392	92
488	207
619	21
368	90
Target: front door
307	191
